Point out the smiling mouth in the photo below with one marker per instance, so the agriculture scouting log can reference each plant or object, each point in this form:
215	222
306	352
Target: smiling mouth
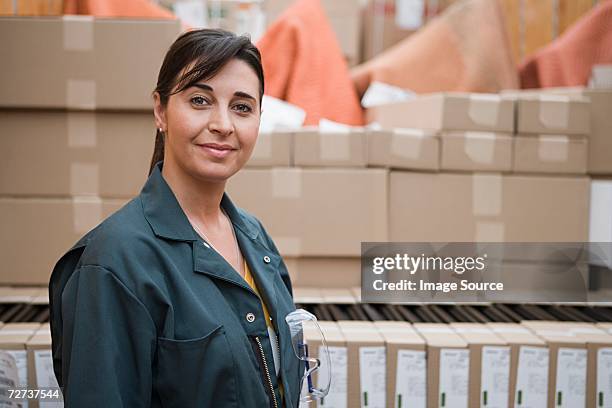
217	151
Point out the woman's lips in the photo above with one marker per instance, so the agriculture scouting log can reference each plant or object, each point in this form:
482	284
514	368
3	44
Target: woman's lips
216	150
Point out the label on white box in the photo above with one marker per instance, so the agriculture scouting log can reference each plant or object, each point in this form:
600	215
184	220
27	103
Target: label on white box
9	378
604	378
570	390
372	372
21	360
45	376
532	378
454	374
411	379
337	396
494	377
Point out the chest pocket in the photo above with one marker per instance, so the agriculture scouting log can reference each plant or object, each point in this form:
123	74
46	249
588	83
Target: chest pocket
196	372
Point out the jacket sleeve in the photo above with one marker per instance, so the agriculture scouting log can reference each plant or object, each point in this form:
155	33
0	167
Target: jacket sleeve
108	342
282	267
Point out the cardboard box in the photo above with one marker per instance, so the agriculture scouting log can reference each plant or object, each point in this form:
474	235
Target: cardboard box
600	138
489	365
487	208
338	353
272	149
448	363
366	379
600	223
558	154
567	376
71	67
315	212
403	149
10	294
599	361
406	364
13	339
600	141
314	147
344	17
552	114
476	151
448	111
79	153
40	368
338	296
331	272
307	295
529	361
22	218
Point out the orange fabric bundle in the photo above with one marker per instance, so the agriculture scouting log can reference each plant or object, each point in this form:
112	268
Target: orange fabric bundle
466	48
568	60
304	65
117	8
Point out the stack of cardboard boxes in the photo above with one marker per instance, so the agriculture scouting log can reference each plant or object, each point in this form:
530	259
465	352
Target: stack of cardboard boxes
78	132
461	365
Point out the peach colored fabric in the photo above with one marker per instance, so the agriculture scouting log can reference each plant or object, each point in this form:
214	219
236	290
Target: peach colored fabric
466	48
568	60
304	65
117	8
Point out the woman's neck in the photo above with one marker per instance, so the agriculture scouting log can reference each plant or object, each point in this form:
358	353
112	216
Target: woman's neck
200	200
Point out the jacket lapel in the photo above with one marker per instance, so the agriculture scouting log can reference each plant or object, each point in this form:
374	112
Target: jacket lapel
168	221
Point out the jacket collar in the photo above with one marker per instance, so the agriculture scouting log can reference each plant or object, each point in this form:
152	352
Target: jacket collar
167	218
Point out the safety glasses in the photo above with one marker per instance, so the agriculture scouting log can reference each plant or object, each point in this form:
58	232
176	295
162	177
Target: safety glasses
309	346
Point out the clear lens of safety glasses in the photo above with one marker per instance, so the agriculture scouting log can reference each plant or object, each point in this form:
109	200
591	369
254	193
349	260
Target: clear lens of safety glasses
309	345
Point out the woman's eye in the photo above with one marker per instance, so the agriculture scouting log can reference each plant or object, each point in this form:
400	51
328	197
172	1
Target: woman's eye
243	108
199	100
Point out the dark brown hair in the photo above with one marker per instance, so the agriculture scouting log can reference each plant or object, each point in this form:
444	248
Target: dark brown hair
199	55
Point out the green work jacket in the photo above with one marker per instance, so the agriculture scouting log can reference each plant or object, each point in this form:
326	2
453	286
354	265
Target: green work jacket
144	313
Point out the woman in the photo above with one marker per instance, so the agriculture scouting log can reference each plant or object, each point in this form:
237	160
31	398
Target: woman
179	299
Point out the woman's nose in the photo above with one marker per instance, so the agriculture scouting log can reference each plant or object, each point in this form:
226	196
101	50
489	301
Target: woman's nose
220	122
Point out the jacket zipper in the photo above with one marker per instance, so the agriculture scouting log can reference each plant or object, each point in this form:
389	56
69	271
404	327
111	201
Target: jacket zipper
266	371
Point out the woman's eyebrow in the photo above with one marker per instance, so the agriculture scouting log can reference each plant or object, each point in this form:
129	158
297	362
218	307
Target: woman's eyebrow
239	94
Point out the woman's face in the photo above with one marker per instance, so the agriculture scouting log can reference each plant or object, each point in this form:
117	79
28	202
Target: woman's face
211	127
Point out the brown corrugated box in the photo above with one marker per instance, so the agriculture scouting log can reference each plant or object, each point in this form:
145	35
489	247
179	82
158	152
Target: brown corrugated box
22	220
336	343
600	142
406	364
403	149
70	68
552	114
490	353
315	212
441	340
557	154
380	27
520	339
337	272
487	208
563	344
366	364
307	295
476	151
79	153
314	147
272	149
448	111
